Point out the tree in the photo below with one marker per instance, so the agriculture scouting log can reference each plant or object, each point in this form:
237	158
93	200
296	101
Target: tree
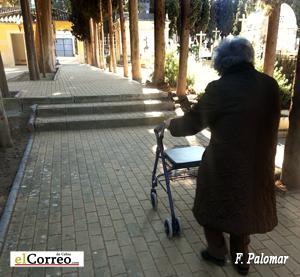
112	60
185	8
225	13
272	35
172	9
5	136
101	39
159	46
245	7
123	36
200	16
39	41
83	27
134	40
3	81
192	16
291	164
241	10
94	42
80	20
34	72
45	38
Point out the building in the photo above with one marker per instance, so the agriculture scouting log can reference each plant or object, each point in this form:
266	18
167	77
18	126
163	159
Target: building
12	43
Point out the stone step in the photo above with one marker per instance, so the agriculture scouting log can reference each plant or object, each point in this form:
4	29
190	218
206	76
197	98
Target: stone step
149	94
98	121
105	107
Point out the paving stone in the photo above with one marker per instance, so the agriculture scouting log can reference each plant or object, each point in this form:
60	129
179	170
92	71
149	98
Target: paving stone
146	260
116	265
94	229
112	248
174	255
164	266
140	244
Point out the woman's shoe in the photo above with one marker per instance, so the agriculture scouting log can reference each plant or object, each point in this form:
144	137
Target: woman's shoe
217	261
241	267
242	270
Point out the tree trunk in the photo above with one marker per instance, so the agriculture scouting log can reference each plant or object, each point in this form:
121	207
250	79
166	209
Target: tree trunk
88	51
134	41
102	62
45	29
184	46
93	43
291	164
96	41
123	35
3	81
117	39
5	137
113	65
272	35
101	39
39	41
159	47
29	40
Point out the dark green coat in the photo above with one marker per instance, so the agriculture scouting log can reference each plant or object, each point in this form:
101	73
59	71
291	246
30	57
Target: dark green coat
235	184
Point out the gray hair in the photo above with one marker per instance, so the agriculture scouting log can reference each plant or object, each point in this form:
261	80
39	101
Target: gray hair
232	51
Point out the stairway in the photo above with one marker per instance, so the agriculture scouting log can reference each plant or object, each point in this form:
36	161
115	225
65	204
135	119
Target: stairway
103	111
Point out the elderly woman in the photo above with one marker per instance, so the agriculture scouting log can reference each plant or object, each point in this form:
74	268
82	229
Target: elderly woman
235	185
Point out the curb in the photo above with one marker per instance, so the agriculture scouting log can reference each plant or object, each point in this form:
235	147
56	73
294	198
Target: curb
11	200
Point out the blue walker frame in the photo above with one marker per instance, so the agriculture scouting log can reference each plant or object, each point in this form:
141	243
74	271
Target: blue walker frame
172	225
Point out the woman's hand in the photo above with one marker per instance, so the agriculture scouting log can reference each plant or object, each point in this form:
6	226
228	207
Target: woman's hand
167	123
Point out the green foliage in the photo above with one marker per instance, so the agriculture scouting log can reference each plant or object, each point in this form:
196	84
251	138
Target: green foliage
198	20
288	65
225	13
190	82
64	5
13	3
244	7
200	15
285	86
172	9
80	27
81	12
172	69
194	49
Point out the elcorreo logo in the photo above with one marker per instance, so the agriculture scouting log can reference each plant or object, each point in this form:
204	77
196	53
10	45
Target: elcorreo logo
46	259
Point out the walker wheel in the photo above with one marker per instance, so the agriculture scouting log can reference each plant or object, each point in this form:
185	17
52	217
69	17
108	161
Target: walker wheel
153	197
176	226
169	228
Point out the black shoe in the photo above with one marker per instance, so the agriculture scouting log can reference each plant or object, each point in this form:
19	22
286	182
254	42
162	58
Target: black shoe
242	270
217	261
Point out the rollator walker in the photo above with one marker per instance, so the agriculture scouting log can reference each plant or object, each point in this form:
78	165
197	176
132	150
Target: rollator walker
172	160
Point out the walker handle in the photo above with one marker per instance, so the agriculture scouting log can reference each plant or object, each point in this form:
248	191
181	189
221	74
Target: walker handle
160	129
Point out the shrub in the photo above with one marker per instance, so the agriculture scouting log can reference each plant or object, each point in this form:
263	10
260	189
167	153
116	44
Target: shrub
172	69
288	64
190	82
285	86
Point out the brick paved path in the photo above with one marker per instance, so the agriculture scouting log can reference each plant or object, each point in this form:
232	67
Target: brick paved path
77	80
88	190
